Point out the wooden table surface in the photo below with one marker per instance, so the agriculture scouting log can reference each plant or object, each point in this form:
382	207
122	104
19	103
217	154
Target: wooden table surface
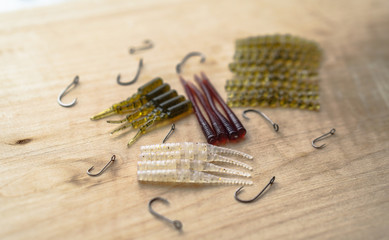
339	192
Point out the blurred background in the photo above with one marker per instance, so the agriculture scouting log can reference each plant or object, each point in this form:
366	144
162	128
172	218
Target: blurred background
12	5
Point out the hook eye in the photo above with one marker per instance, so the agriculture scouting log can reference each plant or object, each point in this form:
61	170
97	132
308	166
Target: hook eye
332	132
275	125
113	158
177	224
118	80
169	133
65	91
256	197
147	45
189	55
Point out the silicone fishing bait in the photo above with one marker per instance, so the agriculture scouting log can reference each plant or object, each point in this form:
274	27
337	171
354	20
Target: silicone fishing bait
187	176
172	112
117	108
192	155
179	164
197	148
147	108
163	107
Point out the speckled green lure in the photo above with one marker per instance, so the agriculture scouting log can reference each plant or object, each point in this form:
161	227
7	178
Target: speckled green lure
275	70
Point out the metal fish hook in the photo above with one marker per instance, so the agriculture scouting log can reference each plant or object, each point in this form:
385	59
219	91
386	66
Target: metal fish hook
177	224
113	158
275	125
189	55
332	132
74	82
256	197
135	78
169	133
147	45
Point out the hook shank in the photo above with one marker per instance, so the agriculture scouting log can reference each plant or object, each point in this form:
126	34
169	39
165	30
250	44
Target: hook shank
177	224
135	78
63	93
113	158
332	132
189	55
275	125
169	133
147	45
256	197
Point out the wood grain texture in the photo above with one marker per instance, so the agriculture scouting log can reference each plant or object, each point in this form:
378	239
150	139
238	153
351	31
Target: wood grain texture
339	192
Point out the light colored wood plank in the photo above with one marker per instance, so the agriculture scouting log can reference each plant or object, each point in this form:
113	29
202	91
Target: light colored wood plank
337	192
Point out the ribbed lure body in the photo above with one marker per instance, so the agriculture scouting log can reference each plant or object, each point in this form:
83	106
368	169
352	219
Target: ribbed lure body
187	176
195	147
186	164
191	155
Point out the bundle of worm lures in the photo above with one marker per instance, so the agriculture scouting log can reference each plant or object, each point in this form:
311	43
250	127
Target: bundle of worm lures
153	102
190	163
221	128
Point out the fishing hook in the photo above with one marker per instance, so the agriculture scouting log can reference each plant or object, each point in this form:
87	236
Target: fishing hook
170	132
332	132
147	45
74	82
177	224
275	125
256	197
189	55
135	78
113	158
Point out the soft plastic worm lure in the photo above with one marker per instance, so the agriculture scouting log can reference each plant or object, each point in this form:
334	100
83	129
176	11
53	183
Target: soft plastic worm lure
232	132
230	114
117	108
146	98
221	133
192	155
163	107
187	164
172	112
187	176
147	108
197	148
205	127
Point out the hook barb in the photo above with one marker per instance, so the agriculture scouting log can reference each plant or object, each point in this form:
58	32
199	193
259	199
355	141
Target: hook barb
135	78
113	158
256	197
147	45
177	224
170	132
332	132
275	125
73	83
189	55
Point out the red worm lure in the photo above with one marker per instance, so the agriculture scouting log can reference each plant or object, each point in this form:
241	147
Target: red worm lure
232	132
230	114
205	127
220	131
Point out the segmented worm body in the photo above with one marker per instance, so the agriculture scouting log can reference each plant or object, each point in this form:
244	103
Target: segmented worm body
117	107
205	127
196	148
232	132
186	164
230	114
191	155
187	176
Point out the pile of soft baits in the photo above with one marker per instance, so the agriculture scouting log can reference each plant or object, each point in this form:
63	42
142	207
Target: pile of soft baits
221	128
190	163
153	102
275	70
